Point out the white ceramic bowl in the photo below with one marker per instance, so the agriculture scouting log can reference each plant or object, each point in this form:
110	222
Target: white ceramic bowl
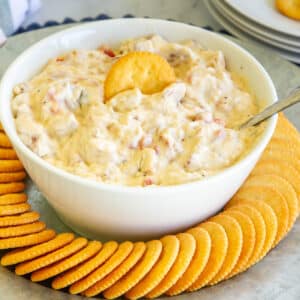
109	211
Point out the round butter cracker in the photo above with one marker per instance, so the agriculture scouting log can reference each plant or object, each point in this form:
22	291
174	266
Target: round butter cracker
15	198
114	261
138	272
271	197
21	219
160	269
19	230
13	165
260	231
41	262
4	141
20	255
248	231
186	252
289	8
197	264
282	169
12	177
27	240
90	250
77	273
14	209
11	187
147	71
218	252
235	243
8	154
271	223
281	186
103	284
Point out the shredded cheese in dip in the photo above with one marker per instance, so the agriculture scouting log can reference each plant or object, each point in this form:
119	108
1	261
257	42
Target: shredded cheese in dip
178	135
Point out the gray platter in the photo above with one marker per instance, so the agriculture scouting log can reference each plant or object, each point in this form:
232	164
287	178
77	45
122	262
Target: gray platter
277	276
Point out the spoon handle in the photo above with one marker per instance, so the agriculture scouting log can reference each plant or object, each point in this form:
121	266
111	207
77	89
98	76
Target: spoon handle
292	99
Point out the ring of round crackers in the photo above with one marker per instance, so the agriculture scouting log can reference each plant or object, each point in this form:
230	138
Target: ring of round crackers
77	273
147	71
197	264
103	284
114	261
138	272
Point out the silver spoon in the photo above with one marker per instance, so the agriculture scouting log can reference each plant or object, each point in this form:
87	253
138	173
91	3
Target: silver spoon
292	99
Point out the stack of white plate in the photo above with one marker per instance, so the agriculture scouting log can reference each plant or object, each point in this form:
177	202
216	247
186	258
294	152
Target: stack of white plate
259	21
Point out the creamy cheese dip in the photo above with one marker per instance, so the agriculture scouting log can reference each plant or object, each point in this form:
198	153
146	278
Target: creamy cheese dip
178	135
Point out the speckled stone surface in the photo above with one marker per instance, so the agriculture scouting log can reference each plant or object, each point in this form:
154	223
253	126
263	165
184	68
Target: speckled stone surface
277	276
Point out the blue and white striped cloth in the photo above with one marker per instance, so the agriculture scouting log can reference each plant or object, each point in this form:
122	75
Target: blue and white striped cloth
13	13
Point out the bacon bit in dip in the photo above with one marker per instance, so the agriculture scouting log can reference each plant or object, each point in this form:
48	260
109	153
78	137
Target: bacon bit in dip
109	52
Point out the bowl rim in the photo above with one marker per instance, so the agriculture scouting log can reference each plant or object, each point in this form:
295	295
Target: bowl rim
20	146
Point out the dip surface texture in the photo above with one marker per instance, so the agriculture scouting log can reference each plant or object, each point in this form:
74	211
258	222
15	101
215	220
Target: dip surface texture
178	135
